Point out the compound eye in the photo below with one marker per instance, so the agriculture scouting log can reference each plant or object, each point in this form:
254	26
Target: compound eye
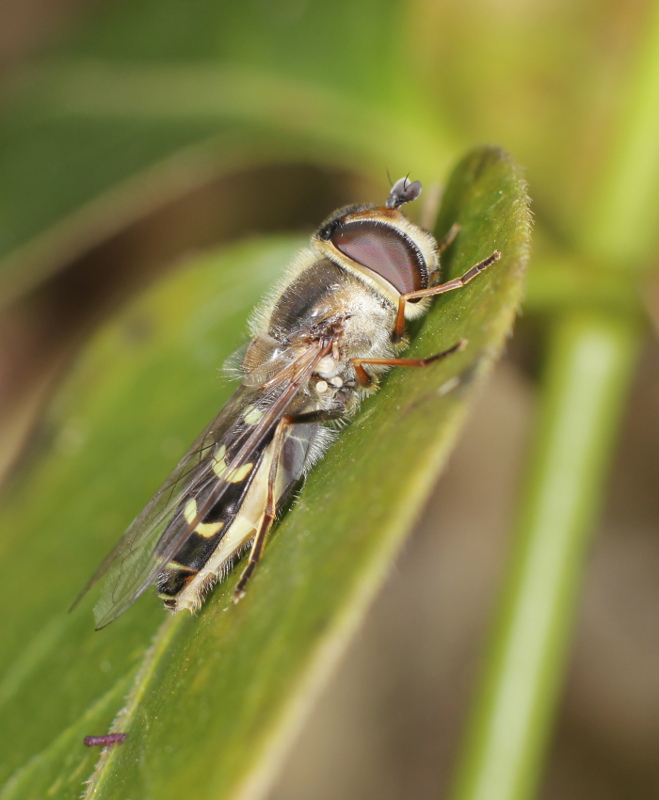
385	250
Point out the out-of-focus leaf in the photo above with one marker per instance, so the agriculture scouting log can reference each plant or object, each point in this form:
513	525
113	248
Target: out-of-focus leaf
216	697
151	98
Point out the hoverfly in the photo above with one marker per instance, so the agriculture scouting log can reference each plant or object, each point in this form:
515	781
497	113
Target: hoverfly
319	341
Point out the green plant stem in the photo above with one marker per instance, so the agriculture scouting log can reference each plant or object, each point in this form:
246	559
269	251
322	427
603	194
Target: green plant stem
591	354
588	374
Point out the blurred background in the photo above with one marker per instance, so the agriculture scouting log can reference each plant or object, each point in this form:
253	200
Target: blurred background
135	134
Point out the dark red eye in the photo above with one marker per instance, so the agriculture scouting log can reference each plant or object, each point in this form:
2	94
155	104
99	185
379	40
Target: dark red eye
385	250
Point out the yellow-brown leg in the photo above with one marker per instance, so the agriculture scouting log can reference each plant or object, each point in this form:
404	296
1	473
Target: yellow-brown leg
365	379
269	514
456	283
446	241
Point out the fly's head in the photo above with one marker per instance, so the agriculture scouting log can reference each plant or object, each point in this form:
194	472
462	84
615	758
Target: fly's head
380	245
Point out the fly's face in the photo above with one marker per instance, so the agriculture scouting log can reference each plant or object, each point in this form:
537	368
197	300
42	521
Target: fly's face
382	247
318	342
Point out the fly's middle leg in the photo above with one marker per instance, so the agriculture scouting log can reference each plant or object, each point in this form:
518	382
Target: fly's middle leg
365	379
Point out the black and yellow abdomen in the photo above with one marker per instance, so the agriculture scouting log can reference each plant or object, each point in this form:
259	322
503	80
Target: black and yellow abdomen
228	526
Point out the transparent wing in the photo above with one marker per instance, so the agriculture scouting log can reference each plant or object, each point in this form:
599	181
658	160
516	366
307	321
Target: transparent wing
161	529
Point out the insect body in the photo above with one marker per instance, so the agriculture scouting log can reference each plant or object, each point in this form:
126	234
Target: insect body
335	321
106	740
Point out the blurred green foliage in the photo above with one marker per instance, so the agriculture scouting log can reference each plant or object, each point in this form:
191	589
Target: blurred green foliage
212	692
141	102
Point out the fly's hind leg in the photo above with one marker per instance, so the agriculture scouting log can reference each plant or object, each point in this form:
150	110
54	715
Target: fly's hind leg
269	514
271	501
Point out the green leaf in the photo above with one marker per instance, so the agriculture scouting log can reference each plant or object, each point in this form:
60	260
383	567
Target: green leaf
214	698
149	100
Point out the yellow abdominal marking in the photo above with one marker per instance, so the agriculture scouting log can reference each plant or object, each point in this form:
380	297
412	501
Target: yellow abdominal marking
235	536
182	567
205	529
239	473
236	475
219	467
252	415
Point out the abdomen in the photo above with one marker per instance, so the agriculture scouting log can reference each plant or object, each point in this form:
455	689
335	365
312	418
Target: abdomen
229	526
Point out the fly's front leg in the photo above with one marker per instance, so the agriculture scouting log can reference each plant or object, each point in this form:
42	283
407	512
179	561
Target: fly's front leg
456	283
365	379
